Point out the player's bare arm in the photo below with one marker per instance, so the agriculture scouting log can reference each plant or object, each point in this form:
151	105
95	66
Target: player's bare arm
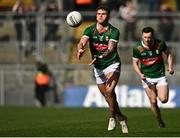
137	69
80	47
169	61
111	46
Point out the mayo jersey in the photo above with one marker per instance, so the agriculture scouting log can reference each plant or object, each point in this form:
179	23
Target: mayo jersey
152	64
98	43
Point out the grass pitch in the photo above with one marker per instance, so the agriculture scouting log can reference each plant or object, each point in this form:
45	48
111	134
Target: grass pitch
83	122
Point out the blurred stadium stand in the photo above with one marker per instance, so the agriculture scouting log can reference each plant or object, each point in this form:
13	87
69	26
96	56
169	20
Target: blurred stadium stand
7	4
17	70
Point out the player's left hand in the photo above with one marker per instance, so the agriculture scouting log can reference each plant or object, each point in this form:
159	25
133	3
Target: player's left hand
171	71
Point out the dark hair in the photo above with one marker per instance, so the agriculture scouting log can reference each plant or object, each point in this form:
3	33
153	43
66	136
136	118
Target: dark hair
147	30
103	7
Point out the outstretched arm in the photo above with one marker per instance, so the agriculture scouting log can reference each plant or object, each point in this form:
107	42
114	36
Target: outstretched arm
111	46
80	46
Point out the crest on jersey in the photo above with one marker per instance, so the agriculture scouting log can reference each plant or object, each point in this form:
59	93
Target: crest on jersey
140	48
157	51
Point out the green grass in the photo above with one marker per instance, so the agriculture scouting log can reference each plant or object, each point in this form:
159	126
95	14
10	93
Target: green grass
83	122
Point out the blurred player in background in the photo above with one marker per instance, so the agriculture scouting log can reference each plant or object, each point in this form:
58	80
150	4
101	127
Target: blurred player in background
103	38
149	52
41	81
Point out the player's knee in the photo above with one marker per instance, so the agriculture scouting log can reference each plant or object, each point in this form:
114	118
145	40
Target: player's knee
164	100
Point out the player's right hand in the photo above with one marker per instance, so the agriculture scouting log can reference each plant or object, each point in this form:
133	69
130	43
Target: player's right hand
171	71
142	77
80	53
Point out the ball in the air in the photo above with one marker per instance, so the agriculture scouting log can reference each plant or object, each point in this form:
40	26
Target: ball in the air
74	19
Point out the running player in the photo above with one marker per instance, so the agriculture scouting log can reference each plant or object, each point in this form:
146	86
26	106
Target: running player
103	38
149	53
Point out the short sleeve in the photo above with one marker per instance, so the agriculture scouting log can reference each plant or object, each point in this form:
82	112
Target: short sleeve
87	32
163	46
135	53
115	35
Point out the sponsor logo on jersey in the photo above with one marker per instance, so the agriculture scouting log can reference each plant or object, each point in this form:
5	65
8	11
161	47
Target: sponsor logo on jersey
151	61
100	47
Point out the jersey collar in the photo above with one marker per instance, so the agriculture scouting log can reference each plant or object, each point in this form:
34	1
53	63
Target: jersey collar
106	28
145	46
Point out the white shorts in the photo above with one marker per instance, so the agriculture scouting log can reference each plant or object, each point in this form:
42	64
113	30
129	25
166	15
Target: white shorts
157	81
100	75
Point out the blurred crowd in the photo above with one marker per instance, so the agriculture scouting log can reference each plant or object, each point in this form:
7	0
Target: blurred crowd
127	10
25	19
163	10
91	5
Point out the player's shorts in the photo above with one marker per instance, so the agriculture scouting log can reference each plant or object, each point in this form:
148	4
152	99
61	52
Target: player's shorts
155	81
100	74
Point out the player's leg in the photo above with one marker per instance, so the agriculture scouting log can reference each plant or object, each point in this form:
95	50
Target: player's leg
112	80
113	110
152	95
37	96
107	80
112	121
162	89
102	88
163	93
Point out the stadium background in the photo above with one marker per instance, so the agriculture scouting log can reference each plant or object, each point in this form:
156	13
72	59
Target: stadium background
76	86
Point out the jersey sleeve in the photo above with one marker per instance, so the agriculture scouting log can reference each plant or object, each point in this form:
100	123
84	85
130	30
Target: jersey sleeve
136	54
115	35
163	46
87	32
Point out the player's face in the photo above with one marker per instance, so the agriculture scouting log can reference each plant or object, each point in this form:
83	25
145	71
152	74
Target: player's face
147	38
102	16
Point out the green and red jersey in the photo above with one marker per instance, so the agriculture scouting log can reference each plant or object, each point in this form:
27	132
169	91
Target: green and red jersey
152	64
98	43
